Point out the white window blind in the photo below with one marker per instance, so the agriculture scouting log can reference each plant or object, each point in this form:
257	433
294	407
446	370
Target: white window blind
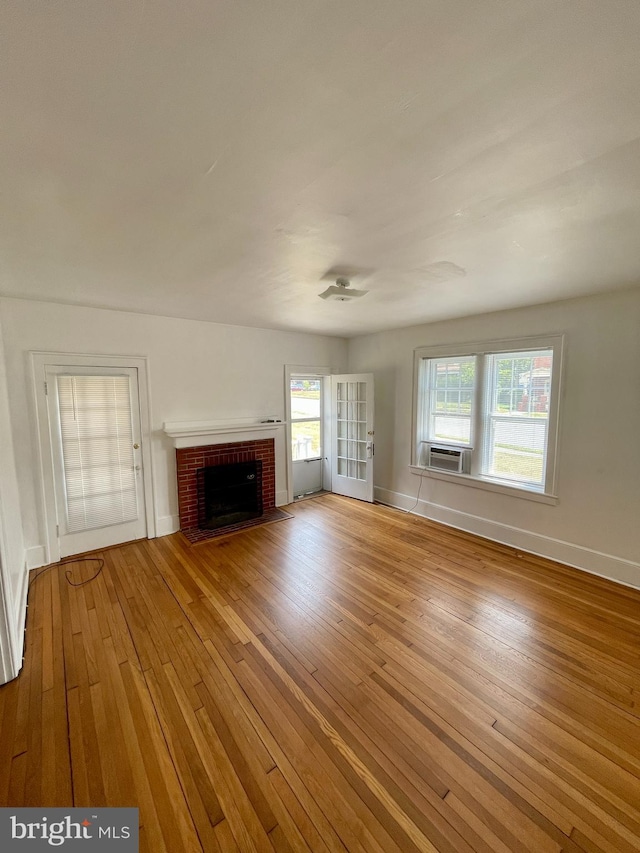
97	451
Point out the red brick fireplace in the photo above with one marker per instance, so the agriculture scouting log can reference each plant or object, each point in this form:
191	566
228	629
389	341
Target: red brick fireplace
190	459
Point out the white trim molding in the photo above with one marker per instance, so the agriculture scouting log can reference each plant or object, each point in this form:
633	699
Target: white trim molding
606	566
319	372
167	524
487	485
39	362
9	657
21	620
196	433
13	616
479	418
36	557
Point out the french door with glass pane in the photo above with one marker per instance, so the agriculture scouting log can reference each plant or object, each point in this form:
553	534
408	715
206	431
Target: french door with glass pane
352	431
94	423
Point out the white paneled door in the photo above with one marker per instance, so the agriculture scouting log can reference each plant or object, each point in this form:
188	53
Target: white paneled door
352	435
94	424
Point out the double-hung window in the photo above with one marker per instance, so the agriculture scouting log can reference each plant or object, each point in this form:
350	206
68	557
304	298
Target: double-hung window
449	399
488	412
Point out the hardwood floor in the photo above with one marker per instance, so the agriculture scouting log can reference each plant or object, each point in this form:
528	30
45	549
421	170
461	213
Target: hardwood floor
353	679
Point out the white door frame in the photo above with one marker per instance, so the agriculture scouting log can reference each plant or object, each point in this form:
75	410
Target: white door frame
353	487
307	370
38	362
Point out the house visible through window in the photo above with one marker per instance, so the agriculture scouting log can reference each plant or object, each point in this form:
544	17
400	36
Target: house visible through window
489	413
517	416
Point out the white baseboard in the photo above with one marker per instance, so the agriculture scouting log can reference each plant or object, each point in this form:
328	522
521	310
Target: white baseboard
36	557
594	562
282	498
167	524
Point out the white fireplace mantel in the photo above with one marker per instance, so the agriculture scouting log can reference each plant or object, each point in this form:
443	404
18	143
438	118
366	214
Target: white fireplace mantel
196	433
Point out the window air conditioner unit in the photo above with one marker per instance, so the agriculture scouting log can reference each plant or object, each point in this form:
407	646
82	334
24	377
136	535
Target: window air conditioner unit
446	459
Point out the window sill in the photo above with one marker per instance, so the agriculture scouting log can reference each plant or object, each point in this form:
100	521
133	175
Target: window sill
487	485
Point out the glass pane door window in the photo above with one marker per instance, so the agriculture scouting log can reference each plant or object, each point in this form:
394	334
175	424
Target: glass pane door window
306	418
352	430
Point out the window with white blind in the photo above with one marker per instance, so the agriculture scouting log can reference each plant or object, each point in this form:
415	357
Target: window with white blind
97	450
495	407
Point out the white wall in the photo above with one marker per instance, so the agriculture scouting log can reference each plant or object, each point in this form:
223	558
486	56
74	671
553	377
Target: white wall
13	574
198	371
596	523
201	371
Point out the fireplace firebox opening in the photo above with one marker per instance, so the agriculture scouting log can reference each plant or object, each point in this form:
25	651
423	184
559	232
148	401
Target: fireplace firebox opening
229	494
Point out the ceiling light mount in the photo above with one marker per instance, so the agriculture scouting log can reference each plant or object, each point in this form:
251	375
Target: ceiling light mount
342	291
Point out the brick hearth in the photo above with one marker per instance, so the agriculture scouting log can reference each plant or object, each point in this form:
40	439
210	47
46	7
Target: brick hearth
189	459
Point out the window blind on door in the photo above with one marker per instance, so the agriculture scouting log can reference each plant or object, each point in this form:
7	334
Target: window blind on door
97	451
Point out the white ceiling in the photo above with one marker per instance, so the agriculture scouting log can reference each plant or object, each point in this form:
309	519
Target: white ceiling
214	158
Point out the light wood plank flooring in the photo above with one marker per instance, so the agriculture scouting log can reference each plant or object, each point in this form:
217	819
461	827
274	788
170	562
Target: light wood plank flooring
354	678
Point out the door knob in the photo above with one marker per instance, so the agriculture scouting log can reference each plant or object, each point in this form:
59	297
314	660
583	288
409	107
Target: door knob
136	446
